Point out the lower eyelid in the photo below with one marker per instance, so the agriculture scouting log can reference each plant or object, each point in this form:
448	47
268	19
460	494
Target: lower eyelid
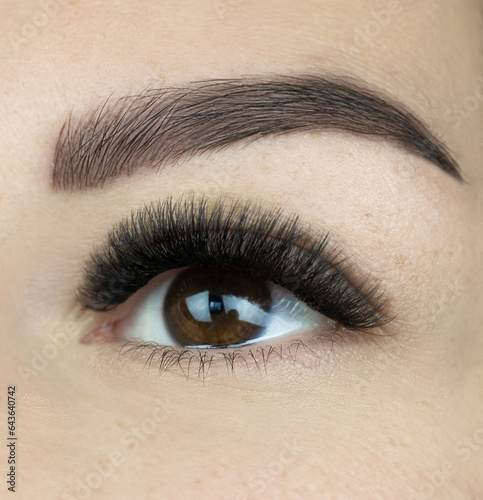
331	293
257	359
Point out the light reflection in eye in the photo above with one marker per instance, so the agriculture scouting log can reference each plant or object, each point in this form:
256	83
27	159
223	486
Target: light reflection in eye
246	310
228	309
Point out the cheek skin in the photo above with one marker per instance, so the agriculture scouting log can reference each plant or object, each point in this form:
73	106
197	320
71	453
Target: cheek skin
238	426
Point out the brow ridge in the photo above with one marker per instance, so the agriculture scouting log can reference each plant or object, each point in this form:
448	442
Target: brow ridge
161	125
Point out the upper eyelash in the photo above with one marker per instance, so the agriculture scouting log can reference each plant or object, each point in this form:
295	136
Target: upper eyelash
242	236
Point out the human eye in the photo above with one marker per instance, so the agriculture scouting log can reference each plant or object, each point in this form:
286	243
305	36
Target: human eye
203	308
203	276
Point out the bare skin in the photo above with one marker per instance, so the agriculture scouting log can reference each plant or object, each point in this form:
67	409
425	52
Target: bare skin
397	416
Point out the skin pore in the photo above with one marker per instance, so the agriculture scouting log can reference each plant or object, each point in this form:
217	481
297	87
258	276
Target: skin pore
396	415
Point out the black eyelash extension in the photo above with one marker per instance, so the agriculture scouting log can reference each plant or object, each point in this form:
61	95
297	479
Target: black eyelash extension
231	235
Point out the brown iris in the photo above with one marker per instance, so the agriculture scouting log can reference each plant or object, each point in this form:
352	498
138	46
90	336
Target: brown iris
216	307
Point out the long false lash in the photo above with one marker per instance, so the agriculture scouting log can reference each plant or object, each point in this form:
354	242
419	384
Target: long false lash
231	235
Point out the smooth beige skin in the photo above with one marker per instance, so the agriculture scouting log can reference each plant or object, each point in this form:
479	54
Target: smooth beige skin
396	417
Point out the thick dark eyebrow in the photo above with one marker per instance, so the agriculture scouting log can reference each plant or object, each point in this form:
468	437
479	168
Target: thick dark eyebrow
157	126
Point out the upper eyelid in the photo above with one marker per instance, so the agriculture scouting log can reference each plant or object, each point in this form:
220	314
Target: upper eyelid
112	273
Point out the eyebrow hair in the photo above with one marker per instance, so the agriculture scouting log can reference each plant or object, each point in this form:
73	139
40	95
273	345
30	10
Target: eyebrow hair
157	126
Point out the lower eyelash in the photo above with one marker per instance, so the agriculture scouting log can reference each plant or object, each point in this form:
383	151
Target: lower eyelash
199	363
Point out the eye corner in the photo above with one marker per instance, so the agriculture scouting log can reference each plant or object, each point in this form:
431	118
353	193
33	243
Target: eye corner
169	236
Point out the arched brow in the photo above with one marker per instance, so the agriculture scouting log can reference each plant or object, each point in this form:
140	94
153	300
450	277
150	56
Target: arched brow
158	126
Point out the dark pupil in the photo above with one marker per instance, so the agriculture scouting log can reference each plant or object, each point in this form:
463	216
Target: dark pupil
216	304
216	307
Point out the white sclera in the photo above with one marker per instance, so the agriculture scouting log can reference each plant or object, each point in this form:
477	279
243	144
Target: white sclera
287	315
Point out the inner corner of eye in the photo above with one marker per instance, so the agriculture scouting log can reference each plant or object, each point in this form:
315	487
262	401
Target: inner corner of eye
99	335
212	308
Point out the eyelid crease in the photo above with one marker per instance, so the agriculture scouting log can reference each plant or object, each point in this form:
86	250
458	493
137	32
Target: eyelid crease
244	236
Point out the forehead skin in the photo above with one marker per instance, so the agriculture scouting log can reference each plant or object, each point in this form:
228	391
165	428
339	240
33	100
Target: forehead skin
410	49
418	421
